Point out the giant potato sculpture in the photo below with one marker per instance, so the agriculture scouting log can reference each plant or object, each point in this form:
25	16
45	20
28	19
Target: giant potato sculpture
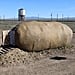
36	36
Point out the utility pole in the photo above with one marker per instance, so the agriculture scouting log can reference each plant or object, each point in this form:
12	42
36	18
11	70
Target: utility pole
3	17
38	17
51	16
57	17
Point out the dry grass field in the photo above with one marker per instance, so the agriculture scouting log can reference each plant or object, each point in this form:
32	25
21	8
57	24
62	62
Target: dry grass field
60	61
71	25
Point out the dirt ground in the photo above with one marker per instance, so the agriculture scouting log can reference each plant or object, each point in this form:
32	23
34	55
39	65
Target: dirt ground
61	61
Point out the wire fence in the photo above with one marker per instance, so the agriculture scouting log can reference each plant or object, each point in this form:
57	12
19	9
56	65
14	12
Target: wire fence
38	18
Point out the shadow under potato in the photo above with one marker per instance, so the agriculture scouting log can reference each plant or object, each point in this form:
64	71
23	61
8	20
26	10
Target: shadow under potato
58	58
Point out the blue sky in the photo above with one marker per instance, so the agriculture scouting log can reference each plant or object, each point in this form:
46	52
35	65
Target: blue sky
44	8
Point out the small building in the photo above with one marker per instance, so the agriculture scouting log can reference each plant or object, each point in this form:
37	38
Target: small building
21	14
